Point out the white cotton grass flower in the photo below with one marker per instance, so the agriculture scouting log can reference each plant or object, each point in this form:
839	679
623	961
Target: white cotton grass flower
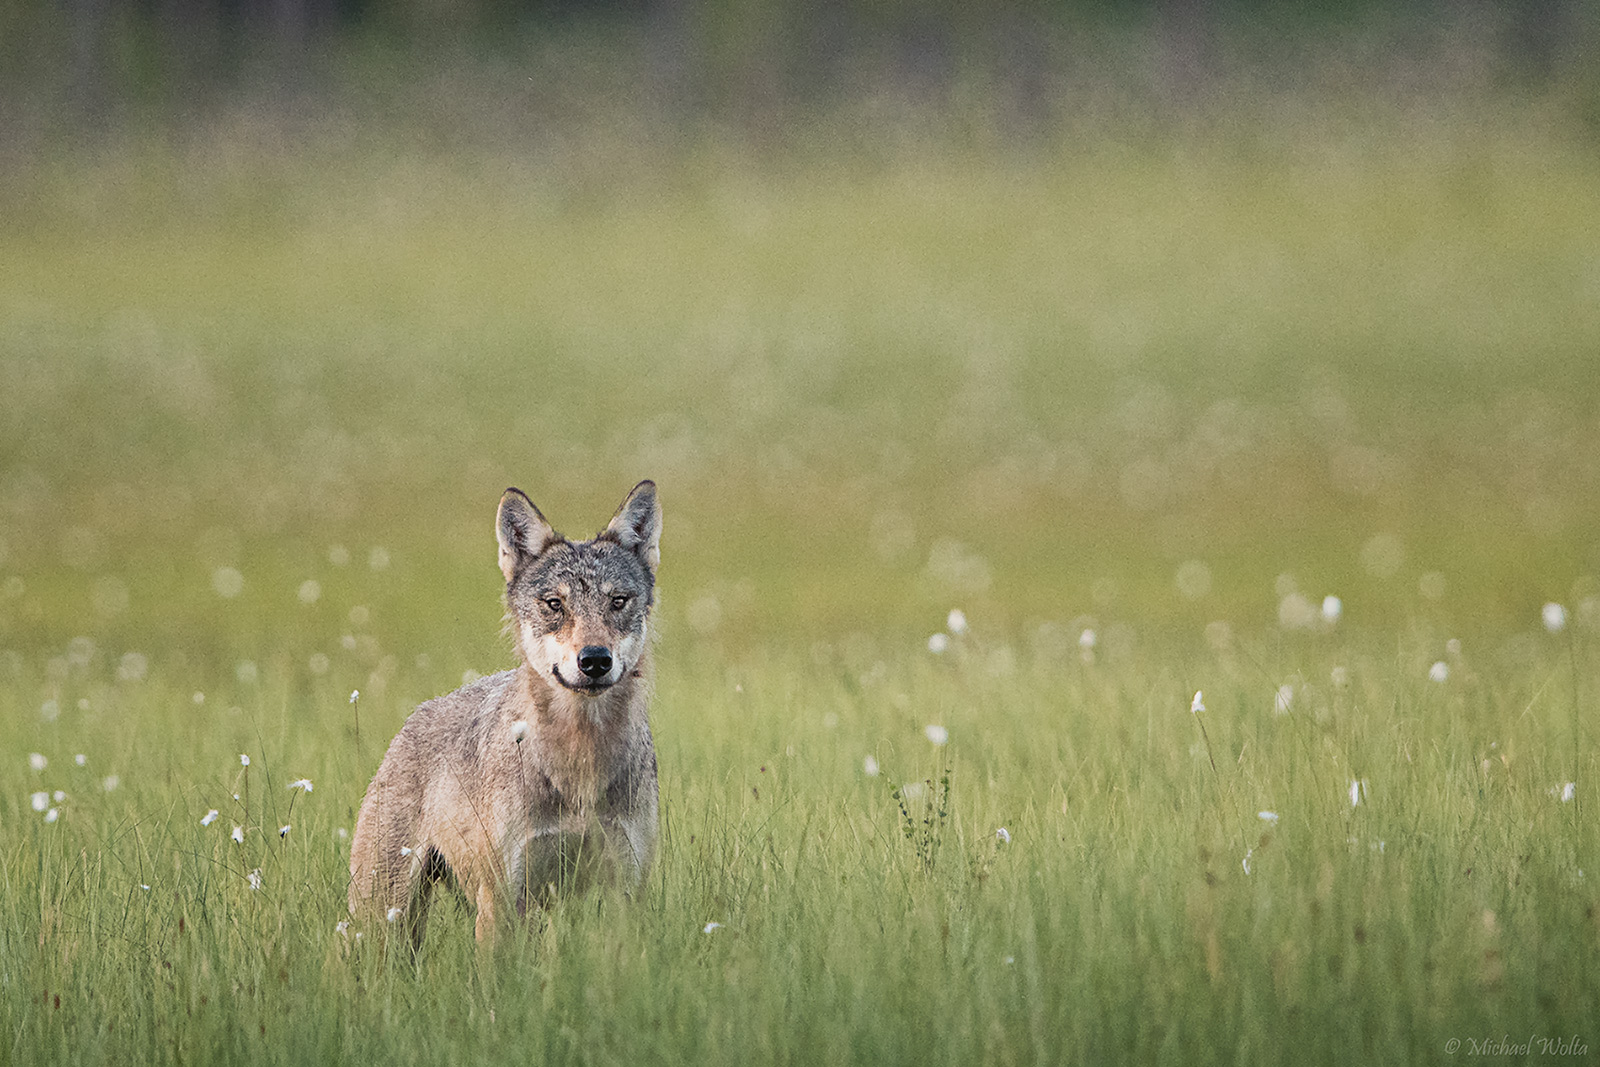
227	582
283	831
1087	640
936	733
406	850
302	784
80	759
1332	608
956	621
1358	791
519	731
110	782
238	835
1198	704
59	795
254	878
244	760
1439	672
1269	817
1569	790
393	914
938	643
869	767
209	817
37	761
1555	617
40	801
1003	835
355	695
342	927
710	927
52	815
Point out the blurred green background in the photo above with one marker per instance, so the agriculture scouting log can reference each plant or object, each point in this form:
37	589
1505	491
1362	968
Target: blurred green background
1152	312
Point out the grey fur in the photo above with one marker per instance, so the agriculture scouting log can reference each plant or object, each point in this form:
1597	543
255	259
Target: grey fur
539	779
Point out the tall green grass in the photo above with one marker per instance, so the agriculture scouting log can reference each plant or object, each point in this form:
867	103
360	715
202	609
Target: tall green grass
257	411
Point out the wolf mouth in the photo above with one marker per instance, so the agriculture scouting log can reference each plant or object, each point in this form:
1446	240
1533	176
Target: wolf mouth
579	687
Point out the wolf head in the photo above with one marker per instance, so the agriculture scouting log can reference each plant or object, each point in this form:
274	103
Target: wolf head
579	609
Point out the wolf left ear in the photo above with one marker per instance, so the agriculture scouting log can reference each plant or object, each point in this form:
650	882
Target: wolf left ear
637	524
522	532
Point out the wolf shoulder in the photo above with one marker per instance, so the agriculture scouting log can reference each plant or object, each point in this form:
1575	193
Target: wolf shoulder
459	723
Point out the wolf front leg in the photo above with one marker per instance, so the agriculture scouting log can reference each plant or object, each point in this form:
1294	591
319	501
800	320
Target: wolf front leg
484	928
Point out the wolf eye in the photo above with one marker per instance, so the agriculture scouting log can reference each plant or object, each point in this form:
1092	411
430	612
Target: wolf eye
618	603
554	603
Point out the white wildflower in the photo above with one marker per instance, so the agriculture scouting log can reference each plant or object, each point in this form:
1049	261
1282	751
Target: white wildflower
52	815
244	760
209	817
355	695
255	878
302	784
405	850
238	835
710	927
110	782
59	795
1568	791
519	730
938	643
227	582
80	759
1087	640
40	801
1004	835
1439	671
1198	704
145	887
37	761
936	733
1268	817
869	767
283	831
956	621
342	927
394	913
1555	617
1332	608
1358	790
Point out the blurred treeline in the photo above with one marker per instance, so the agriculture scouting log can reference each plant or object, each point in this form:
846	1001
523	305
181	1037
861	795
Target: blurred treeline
70	67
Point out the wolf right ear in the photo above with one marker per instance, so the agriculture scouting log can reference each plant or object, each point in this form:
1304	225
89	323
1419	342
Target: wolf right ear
522	532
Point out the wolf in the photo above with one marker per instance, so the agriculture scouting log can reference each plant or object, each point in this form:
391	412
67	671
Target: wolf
540	779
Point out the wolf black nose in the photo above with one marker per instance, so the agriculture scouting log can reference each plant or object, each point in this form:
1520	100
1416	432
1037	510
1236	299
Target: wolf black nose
594	661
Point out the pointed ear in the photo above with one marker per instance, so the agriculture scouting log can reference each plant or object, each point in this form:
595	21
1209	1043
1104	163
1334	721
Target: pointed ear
637	524
521	531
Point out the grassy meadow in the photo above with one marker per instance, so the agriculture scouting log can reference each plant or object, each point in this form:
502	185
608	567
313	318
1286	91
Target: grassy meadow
1134	404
